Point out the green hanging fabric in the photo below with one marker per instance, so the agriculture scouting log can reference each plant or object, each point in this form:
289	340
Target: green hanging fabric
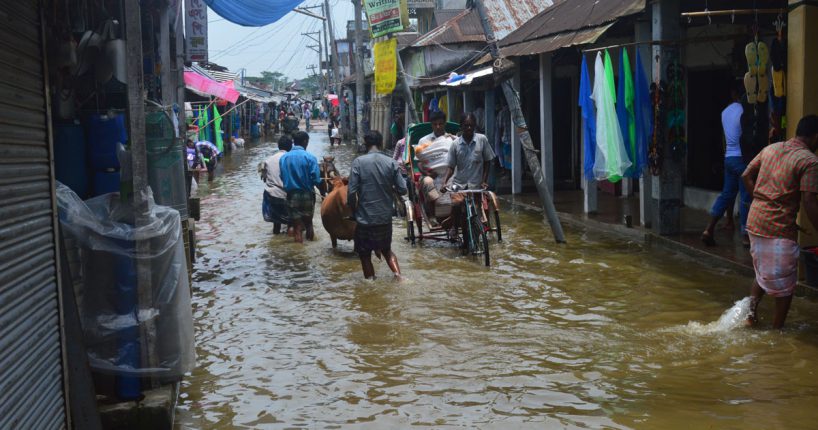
200	118
217	128
625	111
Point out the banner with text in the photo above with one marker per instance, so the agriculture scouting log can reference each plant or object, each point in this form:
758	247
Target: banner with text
386	66
386	16
196	30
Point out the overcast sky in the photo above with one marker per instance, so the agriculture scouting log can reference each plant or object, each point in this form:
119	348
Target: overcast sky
278	47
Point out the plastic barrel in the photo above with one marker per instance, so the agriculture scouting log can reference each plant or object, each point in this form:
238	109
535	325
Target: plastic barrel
254	130
106	182
810	266
128	356
104	132
166	173
69	157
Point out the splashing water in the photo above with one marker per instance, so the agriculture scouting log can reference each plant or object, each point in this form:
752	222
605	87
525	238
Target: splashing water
731	319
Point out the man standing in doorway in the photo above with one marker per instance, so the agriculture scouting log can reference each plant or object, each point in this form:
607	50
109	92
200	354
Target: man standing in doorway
373	180
734	166
783	177
300	175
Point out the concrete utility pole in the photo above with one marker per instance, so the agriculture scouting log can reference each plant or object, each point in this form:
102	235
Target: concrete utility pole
517	117
315	36
326	66
360	73
334	60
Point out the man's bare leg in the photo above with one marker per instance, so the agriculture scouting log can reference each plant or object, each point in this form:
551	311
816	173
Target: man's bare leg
310	231
366	265
297	228
756	294
782	307
392	262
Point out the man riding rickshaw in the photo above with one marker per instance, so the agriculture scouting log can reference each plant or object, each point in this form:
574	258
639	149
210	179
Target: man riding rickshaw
451	175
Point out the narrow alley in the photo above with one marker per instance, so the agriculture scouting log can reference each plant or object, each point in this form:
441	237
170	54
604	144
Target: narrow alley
598	333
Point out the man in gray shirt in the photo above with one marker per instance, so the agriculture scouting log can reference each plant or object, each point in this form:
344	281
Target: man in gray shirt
469	157
469	161
373	180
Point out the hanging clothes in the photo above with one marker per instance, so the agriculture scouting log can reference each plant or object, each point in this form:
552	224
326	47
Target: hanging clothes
201	121
643	115
433	107
208	129
625	111
426	111
443	105
611	158
217	126
586	104
503	140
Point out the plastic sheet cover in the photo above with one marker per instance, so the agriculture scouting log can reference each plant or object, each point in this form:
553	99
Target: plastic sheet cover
253	13
130	331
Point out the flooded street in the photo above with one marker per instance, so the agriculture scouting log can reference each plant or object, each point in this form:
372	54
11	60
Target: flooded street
600	333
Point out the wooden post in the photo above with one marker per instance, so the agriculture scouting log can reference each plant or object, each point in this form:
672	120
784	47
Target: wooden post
546	121
360	74
136	122
512	98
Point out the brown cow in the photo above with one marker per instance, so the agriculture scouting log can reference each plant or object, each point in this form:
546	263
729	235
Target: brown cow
335	214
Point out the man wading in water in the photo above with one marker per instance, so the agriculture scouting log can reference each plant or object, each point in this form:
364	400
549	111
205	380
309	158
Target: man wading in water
783	177
300	175
373	179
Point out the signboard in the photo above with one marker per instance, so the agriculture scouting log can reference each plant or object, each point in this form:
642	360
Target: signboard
386	66
195	30
386	16
421	4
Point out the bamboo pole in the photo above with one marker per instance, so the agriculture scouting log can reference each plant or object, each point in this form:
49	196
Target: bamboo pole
522	129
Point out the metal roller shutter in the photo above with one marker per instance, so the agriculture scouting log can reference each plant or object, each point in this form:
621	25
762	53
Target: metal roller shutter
31	375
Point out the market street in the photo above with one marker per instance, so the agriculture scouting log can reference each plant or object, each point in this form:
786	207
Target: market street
598	333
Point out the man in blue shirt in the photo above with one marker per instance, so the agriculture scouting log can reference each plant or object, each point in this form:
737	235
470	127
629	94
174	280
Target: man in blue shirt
300	175
734	166
373	181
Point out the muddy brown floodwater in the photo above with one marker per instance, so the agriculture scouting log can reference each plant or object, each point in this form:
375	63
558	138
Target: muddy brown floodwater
601	333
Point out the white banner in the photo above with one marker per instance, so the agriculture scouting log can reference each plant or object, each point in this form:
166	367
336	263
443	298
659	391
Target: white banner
195	30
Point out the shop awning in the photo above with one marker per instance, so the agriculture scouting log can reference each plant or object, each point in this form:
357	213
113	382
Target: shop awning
567	23
556	41
210	87
467	78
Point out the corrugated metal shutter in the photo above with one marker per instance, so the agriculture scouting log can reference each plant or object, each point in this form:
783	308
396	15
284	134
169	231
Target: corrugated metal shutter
31	376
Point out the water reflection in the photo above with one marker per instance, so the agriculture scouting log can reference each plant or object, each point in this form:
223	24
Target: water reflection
595	334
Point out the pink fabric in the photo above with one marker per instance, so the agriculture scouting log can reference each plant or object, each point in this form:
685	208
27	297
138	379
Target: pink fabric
776	264
202	84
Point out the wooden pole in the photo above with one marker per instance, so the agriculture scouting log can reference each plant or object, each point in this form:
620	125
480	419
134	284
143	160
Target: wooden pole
136	122
512	98
360	74
407	94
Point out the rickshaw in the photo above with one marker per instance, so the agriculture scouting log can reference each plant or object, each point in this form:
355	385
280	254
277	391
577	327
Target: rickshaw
481	215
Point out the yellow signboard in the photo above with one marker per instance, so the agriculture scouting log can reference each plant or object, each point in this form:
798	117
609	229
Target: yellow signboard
386	66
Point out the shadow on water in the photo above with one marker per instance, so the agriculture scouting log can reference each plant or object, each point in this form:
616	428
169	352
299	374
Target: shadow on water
596	334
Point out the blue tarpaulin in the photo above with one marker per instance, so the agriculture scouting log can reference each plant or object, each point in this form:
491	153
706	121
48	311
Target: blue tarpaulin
253	13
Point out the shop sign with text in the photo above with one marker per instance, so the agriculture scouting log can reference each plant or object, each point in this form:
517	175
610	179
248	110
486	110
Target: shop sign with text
195	30
386	66
386	16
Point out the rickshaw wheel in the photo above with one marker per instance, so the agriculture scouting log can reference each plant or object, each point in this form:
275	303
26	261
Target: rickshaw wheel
410	232
497	225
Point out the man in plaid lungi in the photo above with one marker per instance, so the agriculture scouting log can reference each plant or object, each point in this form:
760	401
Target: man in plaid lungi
300	174
782	178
